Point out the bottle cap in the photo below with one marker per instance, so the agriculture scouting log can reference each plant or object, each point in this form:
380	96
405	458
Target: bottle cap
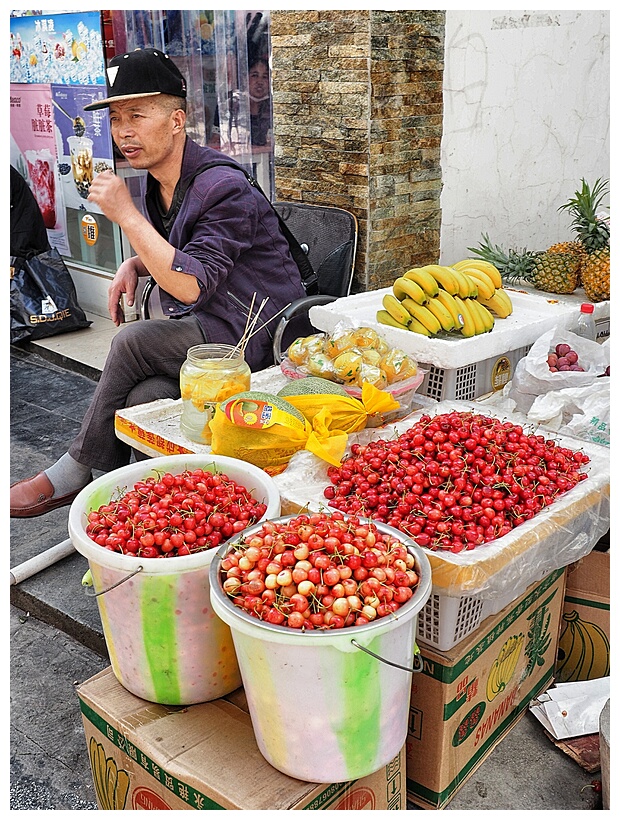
587	308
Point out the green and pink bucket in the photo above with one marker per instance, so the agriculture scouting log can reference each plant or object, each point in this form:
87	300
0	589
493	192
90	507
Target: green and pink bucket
327	706
165	642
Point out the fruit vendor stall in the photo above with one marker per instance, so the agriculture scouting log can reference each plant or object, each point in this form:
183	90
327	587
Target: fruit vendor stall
407	544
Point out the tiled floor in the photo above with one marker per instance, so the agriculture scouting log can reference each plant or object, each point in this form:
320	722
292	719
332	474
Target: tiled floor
88	346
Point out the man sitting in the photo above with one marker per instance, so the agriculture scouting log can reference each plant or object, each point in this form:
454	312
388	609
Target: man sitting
211	242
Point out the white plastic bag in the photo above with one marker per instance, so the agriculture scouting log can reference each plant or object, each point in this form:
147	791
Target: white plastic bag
532	377
583	412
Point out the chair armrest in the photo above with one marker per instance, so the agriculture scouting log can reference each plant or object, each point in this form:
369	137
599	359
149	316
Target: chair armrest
296	308
143	308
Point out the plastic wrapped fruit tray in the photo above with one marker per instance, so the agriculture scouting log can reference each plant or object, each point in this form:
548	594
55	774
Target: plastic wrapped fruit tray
403	391
471	585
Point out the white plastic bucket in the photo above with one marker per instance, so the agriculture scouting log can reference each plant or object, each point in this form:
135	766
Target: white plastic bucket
165	642
324	710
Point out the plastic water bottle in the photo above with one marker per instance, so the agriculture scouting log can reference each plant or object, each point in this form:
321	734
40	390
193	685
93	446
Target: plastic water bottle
585	324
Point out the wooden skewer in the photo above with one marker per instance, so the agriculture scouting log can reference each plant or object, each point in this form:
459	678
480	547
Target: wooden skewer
250	328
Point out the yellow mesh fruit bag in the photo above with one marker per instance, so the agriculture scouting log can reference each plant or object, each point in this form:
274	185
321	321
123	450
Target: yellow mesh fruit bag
346	412
266	431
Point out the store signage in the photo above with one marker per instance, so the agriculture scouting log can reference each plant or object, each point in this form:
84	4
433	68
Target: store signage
90	229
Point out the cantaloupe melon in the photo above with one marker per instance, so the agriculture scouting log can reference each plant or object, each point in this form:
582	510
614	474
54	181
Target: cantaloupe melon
311	384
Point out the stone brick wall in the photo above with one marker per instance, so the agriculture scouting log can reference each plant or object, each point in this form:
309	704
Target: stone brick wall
357	98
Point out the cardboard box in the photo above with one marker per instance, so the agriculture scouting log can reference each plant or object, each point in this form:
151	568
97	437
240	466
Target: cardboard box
465	700
148	756
583	652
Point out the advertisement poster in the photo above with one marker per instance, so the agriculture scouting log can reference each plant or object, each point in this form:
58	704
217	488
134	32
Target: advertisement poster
33	154
83	143
57	48
57	67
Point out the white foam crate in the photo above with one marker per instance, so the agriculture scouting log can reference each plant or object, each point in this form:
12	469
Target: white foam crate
532	316
470	586
574	300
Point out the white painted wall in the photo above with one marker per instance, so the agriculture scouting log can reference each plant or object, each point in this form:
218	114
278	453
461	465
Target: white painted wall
526	116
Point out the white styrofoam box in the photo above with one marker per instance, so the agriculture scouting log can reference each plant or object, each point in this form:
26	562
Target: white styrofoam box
573	300
531	317
558	535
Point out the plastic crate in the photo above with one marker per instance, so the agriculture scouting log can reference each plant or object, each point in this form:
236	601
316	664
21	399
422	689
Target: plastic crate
445	621
472	380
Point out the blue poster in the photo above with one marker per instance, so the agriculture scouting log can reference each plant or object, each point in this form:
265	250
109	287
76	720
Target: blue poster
71	119
66	49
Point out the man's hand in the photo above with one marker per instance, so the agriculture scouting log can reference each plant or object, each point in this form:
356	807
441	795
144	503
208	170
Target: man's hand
110	193
124	282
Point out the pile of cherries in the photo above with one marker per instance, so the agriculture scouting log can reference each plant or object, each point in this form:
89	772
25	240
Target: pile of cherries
319	571
456	480
173	515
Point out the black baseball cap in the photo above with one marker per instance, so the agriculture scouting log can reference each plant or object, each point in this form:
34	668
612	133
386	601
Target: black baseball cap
144	72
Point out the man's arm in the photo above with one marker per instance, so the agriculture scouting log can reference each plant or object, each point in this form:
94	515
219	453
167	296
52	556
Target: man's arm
110	193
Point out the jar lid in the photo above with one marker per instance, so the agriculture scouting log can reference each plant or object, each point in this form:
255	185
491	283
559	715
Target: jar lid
587	308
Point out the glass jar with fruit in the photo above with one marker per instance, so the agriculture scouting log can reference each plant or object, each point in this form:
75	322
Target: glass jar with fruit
210	374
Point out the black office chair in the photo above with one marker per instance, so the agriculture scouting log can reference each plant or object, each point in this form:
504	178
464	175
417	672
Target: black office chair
329	237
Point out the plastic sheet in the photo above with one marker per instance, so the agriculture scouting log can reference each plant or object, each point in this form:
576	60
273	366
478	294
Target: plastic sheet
559	535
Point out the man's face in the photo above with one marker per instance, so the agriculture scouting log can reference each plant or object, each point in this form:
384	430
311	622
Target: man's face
143	131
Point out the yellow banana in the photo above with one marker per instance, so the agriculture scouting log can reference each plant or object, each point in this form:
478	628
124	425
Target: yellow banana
505	298
385	318
483	265
441	313
469	326
425	280
477	317
423	315
504	666
465	284
407	287
418	327
447	300
485	285
497	305
396	309
583	651
473	287
486	315
444	277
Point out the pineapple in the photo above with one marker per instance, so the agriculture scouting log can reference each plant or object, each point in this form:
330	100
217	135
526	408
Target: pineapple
574	248
555	270
593	234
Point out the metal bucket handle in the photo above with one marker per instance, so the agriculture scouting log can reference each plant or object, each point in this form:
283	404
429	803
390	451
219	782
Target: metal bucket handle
91	594
418	664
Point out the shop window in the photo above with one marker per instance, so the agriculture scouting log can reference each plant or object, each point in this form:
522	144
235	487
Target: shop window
225	57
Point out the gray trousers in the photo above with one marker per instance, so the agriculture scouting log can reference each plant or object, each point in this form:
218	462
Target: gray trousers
143	365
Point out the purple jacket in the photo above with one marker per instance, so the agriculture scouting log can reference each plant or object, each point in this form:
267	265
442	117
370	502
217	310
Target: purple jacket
228	237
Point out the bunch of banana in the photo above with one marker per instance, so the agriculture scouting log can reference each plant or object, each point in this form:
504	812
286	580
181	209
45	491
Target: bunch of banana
503	666
436	299
111	783
488	282
583	650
